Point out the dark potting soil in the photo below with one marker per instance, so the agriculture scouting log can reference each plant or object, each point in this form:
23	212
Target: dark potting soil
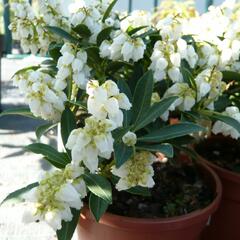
222	151
179	189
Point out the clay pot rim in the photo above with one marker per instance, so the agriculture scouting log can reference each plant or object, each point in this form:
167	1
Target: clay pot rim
117	221
223	172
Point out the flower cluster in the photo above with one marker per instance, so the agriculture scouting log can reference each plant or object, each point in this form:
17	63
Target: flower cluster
72	65
56	194
123	47
186	100
90	14
27	28
39	91
95	139
225	129
137	171
167	55
107	101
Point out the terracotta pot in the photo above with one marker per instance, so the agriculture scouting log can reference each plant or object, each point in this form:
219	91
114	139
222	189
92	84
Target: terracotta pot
187	227
225	222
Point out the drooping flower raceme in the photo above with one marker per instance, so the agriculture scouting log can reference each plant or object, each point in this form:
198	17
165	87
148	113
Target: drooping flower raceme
225	129
72	65
29	29
106	101
123	47
210	86
186	98
93	141
52	13
39	91
56	194
137	171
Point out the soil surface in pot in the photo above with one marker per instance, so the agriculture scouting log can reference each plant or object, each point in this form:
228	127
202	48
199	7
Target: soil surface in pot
179	189
222	151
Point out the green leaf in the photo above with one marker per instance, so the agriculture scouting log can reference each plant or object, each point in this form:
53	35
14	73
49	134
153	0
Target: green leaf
23	70
43	129
141	191
187	75
119	133
54	51
166	149
223	118
68	123
142	96
16	196
98	206
171	132
62	33
132	31
59	160
25	112
68	228
124	88
155	111
48	62
108	11
82	30
104	35
93	55
122	153
231	76
99	186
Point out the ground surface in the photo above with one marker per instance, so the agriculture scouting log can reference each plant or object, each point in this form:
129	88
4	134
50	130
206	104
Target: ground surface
18	168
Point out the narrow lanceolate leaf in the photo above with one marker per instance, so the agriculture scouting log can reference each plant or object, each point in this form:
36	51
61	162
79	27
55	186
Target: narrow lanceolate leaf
68	123
23	70
155	111
171	132
108	11
16	196
99	186
98	206
58	160
122	153
142	97
68	228
132	31
41	130
25	112
231	76
82	30
226	119
104	35
62	33
166	149
141	191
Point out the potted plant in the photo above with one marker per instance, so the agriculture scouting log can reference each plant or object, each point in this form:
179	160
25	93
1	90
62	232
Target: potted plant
114	92
220	147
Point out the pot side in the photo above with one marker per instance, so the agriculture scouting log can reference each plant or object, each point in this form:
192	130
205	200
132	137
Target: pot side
187	227
225	223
